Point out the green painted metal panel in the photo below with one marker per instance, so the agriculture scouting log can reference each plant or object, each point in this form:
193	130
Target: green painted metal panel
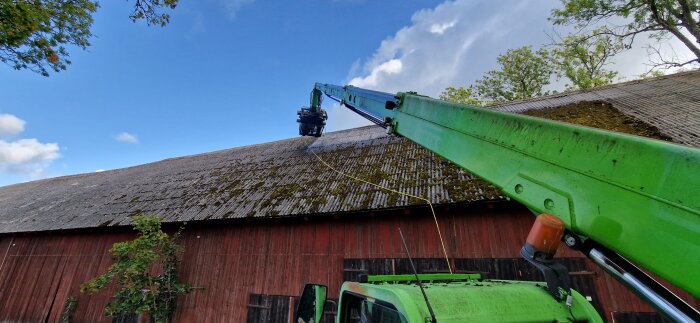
475	301
370	104
637	196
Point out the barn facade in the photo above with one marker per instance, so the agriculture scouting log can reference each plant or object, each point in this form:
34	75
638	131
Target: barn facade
262	220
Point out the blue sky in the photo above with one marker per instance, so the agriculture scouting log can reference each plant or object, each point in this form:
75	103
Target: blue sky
228	73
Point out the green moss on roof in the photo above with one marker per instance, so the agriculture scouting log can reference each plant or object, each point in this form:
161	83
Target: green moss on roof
601	115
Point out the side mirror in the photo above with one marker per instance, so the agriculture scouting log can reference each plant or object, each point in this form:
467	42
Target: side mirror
311	303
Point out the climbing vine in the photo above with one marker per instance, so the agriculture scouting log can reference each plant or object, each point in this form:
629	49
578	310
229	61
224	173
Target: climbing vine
68	310
138	290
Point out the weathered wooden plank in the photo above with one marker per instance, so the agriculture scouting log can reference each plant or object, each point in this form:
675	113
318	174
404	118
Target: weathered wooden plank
234	261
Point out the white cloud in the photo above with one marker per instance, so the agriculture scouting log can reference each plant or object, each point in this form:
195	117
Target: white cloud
233	6
390	67
27	156
453	43
456	42
99	170
441	28
11	125
126	137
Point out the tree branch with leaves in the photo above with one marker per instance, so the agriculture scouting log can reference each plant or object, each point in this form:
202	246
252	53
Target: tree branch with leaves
35	35
140	291
461	95
660	19
523	75
582	59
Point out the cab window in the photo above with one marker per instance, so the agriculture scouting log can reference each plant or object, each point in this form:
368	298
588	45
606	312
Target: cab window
357	309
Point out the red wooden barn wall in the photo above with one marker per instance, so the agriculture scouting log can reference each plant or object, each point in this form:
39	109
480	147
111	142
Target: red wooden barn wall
39	271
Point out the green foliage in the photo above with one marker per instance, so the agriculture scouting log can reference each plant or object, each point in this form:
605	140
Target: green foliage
34	34
461	95
523	75
652	74
582	60
140	291
148	9
68	310
657	18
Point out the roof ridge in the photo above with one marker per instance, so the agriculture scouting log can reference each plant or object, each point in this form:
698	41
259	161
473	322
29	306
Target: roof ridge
593	89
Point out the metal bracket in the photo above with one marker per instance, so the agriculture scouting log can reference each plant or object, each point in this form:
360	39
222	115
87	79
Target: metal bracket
555	274
555	202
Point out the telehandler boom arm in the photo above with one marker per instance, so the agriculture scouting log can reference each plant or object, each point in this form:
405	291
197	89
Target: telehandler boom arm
637	197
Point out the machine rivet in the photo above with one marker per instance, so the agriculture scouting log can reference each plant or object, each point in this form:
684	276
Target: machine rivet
518	188
548	204
570	240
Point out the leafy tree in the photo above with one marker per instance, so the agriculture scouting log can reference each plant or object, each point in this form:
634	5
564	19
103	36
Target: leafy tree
148	9
657	18
461	95
523	75
582	60
34	33
140	291
652	74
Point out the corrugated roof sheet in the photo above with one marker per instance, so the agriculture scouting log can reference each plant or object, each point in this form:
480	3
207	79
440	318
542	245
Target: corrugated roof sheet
275	179
670	103
284	178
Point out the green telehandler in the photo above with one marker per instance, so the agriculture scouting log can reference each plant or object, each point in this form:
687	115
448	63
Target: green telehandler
585	185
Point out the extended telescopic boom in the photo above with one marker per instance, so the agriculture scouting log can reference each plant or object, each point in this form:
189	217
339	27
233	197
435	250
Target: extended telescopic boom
635	196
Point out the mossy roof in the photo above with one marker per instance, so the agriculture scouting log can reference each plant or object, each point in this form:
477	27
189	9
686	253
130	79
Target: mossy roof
284	178
276	179
670	104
